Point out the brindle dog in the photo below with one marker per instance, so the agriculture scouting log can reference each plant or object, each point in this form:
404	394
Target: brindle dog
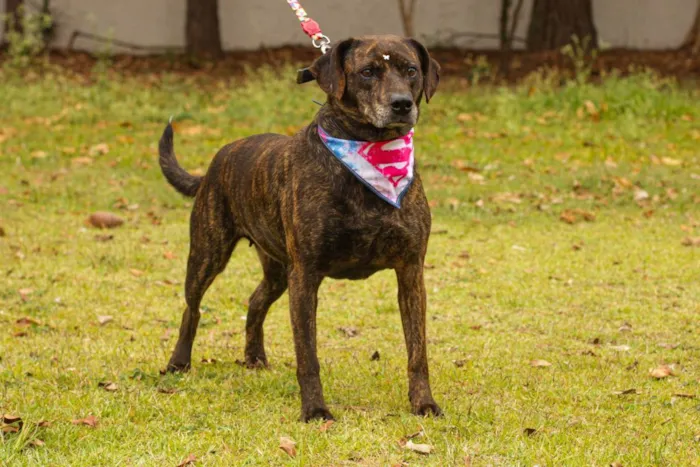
310	218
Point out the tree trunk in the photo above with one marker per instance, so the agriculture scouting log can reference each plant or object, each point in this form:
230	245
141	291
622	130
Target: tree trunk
13	10
202	29
554	22
692	39
406	8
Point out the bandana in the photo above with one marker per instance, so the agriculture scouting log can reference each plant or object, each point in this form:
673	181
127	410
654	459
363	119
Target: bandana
385	167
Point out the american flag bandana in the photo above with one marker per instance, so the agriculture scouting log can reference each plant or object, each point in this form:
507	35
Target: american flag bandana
385	167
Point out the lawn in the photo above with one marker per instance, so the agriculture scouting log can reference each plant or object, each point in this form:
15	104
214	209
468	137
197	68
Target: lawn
561	271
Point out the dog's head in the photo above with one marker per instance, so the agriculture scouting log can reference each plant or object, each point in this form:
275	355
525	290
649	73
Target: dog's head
378	80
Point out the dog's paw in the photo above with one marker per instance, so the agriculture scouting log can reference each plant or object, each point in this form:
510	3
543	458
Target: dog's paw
316	413
177	367
427	408
253	363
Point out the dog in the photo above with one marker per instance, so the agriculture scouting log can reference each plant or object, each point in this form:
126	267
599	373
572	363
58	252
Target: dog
309	217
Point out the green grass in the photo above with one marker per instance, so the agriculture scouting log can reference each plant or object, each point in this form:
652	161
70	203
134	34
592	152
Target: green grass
508	283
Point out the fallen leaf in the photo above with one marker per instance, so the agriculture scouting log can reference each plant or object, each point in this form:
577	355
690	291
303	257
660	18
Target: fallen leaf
24	293
208	360
90	420
685	395
540	363
167	390
83	160
626	392
136	272
616	464
26	321
104	237
288	445
105	220
349	331
108	386
39	155
36	443
10	419
670	161
326	425
10	429
661	372
419	448
568	217
104	319
191	459
691	241
169	255
626	327
641	195
375	356
620	348
98	149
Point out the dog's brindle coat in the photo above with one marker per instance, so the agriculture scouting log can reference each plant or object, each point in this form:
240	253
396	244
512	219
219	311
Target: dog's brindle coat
310	218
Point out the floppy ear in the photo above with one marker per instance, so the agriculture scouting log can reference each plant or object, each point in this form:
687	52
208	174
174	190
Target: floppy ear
430	69
329	71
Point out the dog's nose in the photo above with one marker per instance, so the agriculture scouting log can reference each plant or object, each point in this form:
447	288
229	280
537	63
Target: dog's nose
401	104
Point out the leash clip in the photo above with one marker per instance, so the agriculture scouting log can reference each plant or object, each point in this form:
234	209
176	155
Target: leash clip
323	43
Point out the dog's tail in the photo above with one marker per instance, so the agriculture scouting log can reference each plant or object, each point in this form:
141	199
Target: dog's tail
185	183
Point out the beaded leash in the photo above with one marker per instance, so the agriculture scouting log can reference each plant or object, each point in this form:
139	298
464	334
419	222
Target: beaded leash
313	30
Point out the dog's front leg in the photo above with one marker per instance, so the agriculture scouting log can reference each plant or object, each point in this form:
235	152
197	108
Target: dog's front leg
412	303
303	291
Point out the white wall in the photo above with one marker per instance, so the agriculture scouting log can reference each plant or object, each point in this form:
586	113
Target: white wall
254	23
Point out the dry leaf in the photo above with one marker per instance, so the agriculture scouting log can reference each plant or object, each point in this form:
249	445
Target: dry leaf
105	220
288	445
685	395
27	322
90	420
540	363
670	161
326	425
349	331
10	419
661	372
620	348
616	464
84	160
108	386
104	237
24	293
98	149
640	195
167	390
136	272
420	448
627	392
191	459
36	443
691	241
104	319
169	255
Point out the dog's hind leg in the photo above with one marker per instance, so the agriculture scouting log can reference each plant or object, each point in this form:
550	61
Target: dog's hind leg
212	239
271	288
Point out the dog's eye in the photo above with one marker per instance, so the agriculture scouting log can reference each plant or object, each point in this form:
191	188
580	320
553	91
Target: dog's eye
367	73
412	72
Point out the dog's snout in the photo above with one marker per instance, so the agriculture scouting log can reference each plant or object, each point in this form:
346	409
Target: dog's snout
401	104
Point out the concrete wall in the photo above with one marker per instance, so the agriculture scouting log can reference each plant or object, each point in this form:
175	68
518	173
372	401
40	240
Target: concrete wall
250	24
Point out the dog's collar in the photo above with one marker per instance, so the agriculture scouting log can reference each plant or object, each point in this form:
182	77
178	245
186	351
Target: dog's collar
385	167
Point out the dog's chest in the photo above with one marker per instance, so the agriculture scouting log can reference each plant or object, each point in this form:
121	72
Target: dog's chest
363	236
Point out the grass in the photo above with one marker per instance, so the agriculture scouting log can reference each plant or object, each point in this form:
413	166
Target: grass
604	301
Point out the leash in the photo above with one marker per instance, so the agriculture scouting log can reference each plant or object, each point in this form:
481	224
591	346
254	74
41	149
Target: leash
313	30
